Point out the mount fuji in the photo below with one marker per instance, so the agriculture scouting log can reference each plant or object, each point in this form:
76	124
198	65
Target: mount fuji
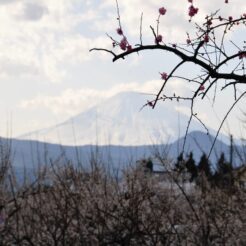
119	120
121	130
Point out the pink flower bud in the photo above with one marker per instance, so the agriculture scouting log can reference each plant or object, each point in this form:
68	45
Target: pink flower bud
230	18
150	104
123	44
158	39
206	38
163	76
188	41
162	11
209	22
202	88
119	31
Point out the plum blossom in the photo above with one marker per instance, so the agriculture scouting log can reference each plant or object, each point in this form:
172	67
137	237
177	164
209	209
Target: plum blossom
164	76
162	11
123	44
202	88
119	31
192	11
158	39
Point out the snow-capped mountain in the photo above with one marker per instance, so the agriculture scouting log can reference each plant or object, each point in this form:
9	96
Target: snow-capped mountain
119	121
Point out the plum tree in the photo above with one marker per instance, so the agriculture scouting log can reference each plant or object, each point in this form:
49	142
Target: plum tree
221	60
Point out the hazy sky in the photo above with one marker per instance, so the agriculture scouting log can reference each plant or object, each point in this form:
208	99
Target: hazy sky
47	73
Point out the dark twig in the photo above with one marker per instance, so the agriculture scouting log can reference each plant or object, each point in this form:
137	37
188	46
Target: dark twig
100	49
222	123
141	30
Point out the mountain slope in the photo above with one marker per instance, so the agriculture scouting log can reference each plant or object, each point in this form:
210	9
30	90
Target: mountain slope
32	153
119	121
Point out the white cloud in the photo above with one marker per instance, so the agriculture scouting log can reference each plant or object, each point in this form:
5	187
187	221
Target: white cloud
32	11
7	1
187	111
183	109
12	69
72	101
41	38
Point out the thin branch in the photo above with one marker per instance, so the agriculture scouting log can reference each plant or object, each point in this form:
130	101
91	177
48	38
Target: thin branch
195	115
188	125
141	29
211	71
118	14
222	123
165	82
106	50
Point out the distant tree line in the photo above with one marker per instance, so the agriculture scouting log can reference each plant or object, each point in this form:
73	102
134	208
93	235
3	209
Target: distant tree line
220	174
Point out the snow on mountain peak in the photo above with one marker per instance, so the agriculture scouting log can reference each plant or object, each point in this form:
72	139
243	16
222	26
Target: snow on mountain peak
119	121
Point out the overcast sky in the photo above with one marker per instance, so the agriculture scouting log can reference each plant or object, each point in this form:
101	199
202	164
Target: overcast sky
47	73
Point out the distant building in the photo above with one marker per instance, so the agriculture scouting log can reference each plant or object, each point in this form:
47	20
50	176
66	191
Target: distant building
164	173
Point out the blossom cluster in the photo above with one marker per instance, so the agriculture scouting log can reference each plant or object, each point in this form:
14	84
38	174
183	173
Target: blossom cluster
192	11
123	44
204	38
